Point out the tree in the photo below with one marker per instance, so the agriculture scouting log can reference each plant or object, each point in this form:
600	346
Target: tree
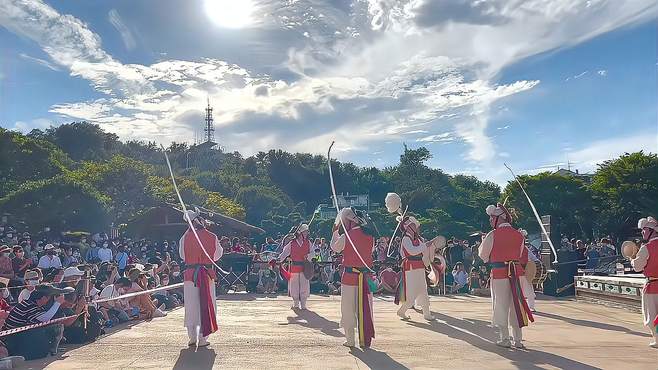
123	180
566	198
262	201
24	158
84	141
625	189
218	203
61	203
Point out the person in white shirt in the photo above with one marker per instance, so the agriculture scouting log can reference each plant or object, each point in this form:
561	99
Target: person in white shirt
461	278
32	279
50	260
105	253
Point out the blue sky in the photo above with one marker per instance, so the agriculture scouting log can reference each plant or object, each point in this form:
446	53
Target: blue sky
534	83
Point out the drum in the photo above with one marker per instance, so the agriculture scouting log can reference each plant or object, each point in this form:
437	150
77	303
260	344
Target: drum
530	271
309	270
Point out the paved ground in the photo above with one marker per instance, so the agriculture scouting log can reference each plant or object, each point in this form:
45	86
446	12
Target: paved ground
260	332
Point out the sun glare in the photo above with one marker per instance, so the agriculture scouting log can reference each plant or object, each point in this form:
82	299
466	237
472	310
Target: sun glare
230	13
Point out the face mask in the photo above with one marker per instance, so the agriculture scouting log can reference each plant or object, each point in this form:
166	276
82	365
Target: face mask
76	254
33	282
165	282
175	273
104	245
5	293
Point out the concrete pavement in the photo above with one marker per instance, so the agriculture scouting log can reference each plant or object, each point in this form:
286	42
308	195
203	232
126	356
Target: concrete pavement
258	332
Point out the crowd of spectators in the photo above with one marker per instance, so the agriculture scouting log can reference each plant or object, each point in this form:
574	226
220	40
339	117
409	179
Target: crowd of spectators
48	275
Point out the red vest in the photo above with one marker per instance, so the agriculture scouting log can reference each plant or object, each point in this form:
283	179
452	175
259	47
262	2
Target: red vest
364	244
193	253
651	269
407	264
507	246
298	253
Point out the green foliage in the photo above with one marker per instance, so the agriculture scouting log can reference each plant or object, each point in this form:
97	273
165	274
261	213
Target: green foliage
24	158
567	199
262	201
61	202
218	203
83	141
78	176
123	180
626	189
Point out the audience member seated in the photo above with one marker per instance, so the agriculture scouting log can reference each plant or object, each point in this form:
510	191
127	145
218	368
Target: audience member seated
43	304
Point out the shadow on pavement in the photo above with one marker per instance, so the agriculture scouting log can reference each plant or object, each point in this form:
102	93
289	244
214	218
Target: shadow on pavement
312	320
189	359
592	324
376	359
480	335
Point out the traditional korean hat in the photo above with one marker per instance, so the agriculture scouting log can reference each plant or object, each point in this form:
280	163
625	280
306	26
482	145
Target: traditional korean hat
499	210
647	223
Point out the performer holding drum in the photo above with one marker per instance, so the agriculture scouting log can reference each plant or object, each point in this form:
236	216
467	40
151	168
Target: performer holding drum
528	262
416	255
645	259
299	251
413	286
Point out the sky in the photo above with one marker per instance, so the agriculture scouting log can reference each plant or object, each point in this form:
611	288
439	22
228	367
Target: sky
535	84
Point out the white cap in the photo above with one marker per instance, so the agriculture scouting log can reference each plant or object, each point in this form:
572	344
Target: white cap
72	271
302	228
346	214
189	215
49	246
647	222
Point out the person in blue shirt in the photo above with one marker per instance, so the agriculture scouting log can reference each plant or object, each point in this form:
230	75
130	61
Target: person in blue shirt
121	259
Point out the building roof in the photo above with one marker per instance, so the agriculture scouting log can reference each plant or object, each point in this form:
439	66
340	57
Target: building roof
168	216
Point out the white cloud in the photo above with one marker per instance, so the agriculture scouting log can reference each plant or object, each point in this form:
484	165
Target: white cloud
587	159
124	31
370	71
39	123
42	62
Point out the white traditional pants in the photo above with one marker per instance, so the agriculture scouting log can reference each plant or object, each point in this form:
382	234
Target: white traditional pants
193	308
299	288
416	292
504	315
649	311
349	306
528	292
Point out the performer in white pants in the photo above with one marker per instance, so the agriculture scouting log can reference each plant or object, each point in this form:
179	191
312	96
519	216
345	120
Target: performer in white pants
199	279
646	260
413	285
299	251
355	290
502	249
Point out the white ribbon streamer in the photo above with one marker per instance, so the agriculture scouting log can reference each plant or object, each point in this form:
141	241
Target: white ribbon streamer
534	210
185	217
333	191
